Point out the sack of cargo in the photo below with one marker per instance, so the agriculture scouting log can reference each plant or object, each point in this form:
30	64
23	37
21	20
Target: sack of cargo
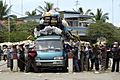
57	30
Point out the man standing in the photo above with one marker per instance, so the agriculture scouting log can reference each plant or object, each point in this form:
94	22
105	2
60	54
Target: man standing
21	60
12	58
115	51
31	60
96	53
103	57
5	52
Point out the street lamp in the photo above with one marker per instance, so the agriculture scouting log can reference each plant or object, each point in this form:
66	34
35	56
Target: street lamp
57	3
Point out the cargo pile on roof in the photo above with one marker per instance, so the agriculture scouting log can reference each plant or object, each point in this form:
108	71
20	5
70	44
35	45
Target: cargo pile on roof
50	23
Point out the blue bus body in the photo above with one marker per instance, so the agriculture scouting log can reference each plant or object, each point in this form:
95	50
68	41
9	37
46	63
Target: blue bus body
50	52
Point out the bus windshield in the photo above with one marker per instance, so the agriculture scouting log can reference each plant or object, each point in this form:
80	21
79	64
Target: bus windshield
49	45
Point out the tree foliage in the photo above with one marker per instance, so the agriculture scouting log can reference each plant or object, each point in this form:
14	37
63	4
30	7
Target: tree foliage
102	29
82	12
33	13
48	6
19	32
4	10
2	38
99	16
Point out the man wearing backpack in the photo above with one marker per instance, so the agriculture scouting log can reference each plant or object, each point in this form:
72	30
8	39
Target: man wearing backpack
31	60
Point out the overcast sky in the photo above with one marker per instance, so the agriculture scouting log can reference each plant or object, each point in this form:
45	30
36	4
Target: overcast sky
106	5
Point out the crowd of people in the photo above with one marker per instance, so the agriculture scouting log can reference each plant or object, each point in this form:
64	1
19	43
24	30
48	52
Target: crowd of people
86	57
24	54
98	58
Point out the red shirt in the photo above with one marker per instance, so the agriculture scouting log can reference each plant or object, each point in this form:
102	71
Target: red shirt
32	54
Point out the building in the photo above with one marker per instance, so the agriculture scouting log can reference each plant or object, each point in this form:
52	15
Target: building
78	23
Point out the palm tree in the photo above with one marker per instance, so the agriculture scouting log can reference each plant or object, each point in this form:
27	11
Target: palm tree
48	6
4	10
99	16
80	10
31	14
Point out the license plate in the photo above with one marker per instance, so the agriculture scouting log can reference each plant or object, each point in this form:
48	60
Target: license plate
56	62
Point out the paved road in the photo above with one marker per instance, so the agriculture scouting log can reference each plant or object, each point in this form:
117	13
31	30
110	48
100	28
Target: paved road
6	74
58	76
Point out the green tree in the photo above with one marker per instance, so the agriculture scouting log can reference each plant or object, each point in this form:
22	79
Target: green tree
82	12
99	16
117	34
19	32
4	10
33	13
12	23
3	29
21	35
101	29
27	27
48	6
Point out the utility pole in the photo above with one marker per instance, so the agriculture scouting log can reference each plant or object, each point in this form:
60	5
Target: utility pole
9	27
22	7
57	3
9	21
76	4
113	12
